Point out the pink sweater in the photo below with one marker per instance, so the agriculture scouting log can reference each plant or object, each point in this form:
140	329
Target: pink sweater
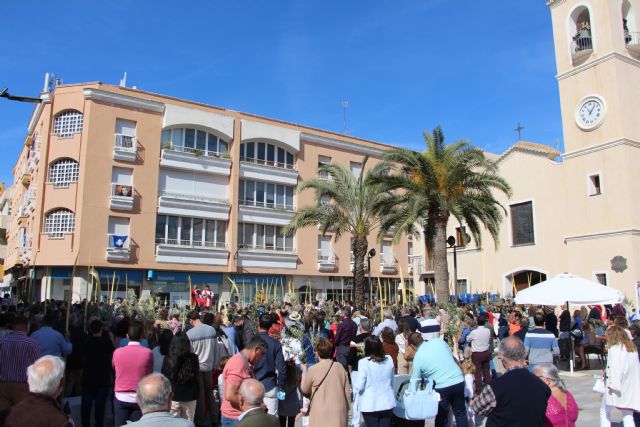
131	363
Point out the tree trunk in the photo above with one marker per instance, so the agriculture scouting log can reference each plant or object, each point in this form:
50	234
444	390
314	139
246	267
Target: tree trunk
440	267
360	246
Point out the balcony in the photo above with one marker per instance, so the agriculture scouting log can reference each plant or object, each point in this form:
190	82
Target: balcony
25	176
121	197
327	262
261	257
264	213
581	46
118	248
187	252
194	160
324	176
389	266
417	265
263	170
125	148
193	205
632	39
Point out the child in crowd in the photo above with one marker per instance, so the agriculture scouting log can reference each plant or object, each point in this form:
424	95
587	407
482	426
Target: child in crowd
468	370
223	362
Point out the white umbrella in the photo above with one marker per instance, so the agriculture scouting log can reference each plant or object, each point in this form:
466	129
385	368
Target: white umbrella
568	288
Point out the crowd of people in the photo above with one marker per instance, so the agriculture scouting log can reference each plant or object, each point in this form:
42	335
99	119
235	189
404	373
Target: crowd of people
323	364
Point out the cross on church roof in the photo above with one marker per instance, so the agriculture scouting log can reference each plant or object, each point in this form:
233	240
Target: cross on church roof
519	130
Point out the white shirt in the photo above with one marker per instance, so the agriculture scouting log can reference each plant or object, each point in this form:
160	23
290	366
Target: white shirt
480	339
385	323
374	385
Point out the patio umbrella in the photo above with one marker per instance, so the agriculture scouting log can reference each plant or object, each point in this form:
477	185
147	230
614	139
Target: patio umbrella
568	289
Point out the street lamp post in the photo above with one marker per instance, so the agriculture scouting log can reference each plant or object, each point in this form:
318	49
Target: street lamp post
452	243
370	254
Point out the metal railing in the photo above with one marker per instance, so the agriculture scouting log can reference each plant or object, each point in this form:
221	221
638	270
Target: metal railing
121	190
324	176
190	243
271	163
266	248
267	205
327	259
194	151
126	143
582	43
195	197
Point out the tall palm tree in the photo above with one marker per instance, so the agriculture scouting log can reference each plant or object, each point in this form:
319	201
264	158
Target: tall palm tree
431	186
345	204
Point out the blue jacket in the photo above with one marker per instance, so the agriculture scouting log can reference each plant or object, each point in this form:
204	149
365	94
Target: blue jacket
270	369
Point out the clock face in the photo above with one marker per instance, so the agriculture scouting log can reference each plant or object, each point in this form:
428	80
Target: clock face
590	113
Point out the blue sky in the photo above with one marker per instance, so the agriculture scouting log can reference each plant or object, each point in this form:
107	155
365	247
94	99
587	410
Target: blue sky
476	68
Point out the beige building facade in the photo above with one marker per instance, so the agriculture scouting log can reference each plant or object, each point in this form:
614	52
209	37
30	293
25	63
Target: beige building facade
575	211
155	192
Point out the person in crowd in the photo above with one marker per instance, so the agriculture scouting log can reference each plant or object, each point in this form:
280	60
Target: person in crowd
251	398
327	386
174	323
345	333
469	371
96	374
40	407
239	368
524	328
205	345
428	325
51	342
289	407
229	330
246	329
270	370
564	337
622	378
503	402
405	359
503	326
514	322
131	363
374	384
162	349
412	322
182	368
389	346
635	335
314	327
154	397
434	361
364	331
550	320
17	352
387	322
540	343
480	340
562	409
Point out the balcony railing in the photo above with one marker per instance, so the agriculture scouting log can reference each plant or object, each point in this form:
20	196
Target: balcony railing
582	45
194	197
271	163
195	151
118	247
266	248
268	205
632	40
125	143
327	262
190	243
121	197
389	265
324	175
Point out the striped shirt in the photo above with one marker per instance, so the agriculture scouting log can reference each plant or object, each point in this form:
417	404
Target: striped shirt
541	346
17	353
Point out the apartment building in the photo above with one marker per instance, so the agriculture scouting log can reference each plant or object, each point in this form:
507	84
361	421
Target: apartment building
156	193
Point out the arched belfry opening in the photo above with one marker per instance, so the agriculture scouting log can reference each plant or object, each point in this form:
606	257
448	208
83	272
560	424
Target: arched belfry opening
580	26
523	279
630	28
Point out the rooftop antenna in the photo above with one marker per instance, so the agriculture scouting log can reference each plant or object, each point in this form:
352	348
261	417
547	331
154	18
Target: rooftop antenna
519	130
123	80
345	105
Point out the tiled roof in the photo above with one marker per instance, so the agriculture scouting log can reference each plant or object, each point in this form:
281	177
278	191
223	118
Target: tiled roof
531	148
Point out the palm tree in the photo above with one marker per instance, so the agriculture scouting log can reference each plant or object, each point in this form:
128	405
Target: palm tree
442	181
345	204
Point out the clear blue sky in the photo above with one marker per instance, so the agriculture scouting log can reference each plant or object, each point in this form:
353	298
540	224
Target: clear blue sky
476	68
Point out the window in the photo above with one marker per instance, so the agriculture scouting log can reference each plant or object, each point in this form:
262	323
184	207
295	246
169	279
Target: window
193	141
463	286
264	153
324	248
595	188
409	253
68	123
121	182
322	161
187	231
125	133
265	237
265	195
522	224
118	232
356	168
601	278
59	222
63	171
386	253
461	236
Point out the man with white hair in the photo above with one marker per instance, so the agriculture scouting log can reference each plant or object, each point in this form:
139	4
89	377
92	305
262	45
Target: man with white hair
40	408
154	396
386	322
251	397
